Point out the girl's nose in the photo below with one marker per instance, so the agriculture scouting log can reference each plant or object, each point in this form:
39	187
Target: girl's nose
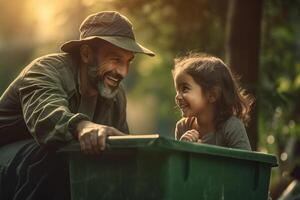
178	96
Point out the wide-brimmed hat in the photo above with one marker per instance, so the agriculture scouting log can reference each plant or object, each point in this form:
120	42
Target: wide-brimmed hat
110	26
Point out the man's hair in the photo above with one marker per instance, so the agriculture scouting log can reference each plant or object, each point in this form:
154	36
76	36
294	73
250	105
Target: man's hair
94	44
211	72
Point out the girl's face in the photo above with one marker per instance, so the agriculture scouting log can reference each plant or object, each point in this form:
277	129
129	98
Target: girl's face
190	97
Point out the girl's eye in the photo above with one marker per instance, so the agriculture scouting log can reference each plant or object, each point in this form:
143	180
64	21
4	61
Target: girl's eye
185	89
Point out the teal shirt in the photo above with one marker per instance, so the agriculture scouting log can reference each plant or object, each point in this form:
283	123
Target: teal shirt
232	133
43	102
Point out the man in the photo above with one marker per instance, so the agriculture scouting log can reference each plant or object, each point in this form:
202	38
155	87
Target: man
59	97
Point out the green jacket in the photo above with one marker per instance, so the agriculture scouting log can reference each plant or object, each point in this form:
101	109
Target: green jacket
43	102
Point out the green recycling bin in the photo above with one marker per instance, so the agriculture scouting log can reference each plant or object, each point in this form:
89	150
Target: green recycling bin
154	167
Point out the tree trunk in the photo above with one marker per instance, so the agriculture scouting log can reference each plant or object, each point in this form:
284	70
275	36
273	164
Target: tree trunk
242	50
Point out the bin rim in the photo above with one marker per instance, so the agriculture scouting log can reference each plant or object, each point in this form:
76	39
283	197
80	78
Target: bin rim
157	141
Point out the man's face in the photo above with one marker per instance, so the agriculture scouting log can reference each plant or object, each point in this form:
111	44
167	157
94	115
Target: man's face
109	67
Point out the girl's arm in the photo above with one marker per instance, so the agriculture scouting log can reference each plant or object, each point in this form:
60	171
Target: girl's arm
179	130
190	136
184	130
182	126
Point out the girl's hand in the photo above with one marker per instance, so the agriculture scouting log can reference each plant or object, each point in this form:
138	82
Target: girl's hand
190	136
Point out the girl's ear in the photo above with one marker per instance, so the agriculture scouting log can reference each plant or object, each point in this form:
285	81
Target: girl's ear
214	94
86	53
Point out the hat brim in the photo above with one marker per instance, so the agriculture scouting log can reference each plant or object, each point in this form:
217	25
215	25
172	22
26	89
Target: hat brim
122	42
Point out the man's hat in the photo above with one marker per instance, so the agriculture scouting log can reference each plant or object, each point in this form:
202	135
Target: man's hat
110	26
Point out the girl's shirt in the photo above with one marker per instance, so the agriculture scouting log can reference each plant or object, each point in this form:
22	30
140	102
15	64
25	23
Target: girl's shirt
232	133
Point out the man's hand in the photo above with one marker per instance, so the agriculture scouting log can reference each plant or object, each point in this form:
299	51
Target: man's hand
191	136
92	136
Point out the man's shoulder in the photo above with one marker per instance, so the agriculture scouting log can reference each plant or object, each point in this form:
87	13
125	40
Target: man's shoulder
61	64
57	60
58	66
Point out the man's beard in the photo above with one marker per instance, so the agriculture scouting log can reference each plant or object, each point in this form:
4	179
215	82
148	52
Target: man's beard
98	82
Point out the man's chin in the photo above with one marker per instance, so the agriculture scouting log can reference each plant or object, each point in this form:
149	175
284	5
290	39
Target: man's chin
107	92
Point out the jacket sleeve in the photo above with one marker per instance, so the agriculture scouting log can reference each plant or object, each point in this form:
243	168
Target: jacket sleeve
45	105
123	125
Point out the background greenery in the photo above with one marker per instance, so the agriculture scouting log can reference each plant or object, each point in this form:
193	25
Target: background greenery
31	28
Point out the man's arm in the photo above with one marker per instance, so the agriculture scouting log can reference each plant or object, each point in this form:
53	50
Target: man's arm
92	136
46	111
45	104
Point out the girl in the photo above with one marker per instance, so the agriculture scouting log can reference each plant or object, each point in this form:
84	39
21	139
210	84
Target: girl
214	107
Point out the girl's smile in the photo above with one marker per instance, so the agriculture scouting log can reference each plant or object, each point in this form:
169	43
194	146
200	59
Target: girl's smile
182	105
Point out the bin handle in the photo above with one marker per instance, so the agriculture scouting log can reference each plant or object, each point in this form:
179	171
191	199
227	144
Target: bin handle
256	176
187	164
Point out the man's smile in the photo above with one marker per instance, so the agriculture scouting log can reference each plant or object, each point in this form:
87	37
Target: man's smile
112	80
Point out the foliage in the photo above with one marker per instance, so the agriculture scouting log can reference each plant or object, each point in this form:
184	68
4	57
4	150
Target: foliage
170	28
279	72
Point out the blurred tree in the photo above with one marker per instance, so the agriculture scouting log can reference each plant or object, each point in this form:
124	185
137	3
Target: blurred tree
15	48
280	85
242	49
171	28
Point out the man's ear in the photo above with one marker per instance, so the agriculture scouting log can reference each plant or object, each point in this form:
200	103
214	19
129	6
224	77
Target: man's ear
86	53
214	94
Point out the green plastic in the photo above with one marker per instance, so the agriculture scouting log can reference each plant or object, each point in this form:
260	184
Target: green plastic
154	167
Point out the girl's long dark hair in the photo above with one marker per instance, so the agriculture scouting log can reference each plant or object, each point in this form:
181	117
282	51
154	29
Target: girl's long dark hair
210	73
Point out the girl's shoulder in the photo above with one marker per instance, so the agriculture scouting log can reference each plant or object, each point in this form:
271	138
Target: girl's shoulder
233	122
234	133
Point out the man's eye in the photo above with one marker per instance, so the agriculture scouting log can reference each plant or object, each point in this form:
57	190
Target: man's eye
115	59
